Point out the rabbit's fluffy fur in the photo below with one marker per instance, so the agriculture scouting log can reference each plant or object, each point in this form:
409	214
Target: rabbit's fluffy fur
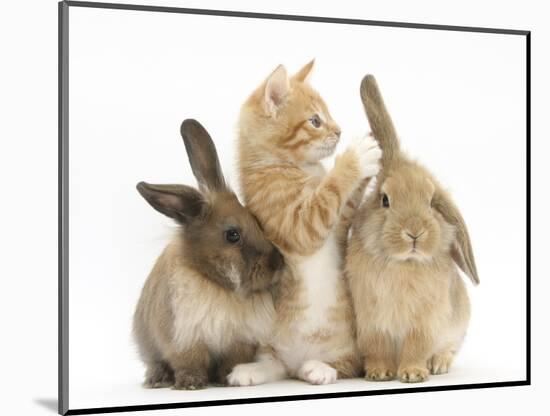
411	305
207	302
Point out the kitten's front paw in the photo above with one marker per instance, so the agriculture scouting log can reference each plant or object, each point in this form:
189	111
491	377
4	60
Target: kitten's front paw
249	374
317	372
368	154
413	374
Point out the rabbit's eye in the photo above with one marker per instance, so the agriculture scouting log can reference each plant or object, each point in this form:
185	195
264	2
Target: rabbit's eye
315	121
385	201
232	236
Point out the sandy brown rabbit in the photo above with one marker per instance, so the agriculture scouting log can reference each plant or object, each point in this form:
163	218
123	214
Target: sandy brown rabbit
207	302
411	306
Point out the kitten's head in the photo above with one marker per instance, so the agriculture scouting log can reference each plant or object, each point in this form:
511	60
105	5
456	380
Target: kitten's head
289	119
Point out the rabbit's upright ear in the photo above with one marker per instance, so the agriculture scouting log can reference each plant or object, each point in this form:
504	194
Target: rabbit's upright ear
461	250
379	119
179	202
202	156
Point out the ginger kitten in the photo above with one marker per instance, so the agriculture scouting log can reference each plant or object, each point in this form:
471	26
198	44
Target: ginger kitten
285	130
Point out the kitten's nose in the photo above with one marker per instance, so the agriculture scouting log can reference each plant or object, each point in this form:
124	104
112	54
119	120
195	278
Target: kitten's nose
337	133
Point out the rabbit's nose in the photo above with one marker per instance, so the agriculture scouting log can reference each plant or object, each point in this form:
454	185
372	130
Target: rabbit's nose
413	227
276	260
414	236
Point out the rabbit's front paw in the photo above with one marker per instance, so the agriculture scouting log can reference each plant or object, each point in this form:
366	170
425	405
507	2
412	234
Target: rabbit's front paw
440	363
190	380
368	154
379	373
158	376
413	374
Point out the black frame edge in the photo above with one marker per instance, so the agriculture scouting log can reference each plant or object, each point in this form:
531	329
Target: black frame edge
63	205
167	406
301	18
528	197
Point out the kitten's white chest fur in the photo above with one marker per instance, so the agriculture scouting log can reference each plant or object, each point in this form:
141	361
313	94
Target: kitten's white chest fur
319	276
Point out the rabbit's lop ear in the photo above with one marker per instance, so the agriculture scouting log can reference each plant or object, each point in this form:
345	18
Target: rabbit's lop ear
179	202
461	250
202	156
379	119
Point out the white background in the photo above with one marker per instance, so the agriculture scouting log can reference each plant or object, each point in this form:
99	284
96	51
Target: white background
29	225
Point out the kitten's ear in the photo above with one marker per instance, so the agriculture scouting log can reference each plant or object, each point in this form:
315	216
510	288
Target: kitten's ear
276	89
304	73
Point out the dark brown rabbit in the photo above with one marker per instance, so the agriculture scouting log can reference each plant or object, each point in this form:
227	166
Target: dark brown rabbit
207	302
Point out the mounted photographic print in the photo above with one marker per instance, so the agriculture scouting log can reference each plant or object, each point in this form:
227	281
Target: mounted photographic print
261	207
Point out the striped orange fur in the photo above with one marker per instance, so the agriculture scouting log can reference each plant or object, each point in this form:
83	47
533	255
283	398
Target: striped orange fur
285	129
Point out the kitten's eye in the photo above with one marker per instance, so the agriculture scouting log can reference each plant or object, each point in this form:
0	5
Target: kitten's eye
385	201
315	121
232	236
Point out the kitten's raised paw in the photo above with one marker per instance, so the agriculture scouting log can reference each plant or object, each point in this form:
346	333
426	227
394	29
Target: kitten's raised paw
368	153
317	372
249	374
379	374
413	374
190	381
440	363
